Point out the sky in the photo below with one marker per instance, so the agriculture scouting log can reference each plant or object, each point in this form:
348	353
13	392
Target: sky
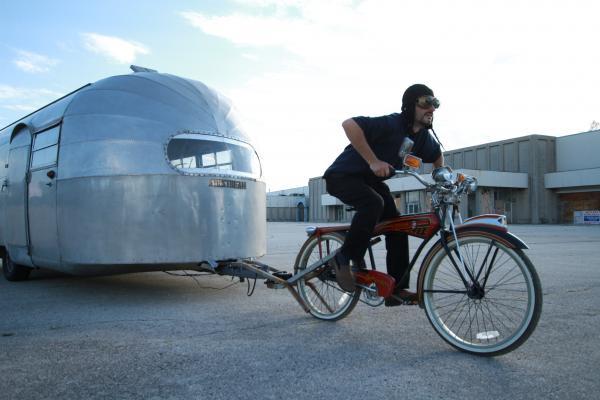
295	70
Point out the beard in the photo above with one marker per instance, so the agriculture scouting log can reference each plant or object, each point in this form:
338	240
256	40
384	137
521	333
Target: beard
426	121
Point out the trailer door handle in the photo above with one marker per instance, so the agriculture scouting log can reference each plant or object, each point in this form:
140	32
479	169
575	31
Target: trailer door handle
49	184
51	174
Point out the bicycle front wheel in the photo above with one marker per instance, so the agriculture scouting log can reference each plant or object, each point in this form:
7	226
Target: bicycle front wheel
320	291
494	313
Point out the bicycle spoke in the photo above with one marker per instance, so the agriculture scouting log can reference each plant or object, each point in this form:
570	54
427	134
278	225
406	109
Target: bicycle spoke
489	321
464	304
318	295
319	289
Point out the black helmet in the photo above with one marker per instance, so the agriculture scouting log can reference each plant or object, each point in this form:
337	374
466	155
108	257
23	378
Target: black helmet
409	100
410	96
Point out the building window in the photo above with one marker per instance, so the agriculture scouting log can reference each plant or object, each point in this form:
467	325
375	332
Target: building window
210	154
413	204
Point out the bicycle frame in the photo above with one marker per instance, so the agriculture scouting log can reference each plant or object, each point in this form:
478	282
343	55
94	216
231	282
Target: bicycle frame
426	226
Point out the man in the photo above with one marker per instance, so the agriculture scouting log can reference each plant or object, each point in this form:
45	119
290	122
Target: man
356	178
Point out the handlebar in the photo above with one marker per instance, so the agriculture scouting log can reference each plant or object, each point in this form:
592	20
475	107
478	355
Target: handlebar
458	185
415	175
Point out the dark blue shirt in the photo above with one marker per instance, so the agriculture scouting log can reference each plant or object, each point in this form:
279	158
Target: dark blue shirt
385	136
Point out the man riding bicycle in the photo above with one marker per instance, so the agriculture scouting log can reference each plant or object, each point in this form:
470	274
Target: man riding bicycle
356	178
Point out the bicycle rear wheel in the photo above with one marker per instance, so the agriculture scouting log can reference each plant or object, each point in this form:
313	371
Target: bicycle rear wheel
493	315
326	300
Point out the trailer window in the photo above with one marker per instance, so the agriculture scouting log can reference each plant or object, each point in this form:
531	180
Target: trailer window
46	138
209	154
45	148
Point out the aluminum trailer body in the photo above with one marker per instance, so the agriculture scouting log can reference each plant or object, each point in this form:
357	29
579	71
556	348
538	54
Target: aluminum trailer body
138	172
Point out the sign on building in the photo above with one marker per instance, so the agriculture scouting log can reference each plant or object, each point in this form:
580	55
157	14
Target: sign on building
589	217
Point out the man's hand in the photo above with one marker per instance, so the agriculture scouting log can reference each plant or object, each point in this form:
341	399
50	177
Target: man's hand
381	168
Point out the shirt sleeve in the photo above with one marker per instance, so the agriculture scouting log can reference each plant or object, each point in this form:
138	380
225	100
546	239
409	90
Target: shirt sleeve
375	128
427	148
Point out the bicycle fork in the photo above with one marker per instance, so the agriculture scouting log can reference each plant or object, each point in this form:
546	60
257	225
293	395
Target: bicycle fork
474	288
457	250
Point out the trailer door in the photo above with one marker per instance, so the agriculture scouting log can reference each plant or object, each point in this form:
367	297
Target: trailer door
43	232
16	197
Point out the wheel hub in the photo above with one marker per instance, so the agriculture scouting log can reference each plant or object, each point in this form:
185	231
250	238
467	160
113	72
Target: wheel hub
475	291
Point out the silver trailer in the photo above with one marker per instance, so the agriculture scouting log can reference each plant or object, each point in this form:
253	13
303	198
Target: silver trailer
139	172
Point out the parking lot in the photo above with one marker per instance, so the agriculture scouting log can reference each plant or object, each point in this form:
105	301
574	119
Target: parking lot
159	336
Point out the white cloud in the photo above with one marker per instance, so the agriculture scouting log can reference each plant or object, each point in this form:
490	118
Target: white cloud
33	62
19	107
249	56
13	92
503	69
22	100
117	49
9	92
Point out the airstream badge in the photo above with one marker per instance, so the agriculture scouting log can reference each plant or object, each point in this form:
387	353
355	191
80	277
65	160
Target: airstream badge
227	183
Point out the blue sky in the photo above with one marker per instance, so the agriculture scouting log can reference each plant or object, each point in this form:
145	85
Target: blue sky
296	69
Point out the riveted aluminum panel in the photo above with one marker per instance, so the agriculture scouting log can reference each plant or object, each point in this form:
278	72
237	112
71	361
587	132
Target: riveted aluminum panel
159	219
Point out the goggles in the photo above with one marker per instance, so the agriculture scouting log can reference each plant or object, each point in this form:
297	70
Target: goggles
426	102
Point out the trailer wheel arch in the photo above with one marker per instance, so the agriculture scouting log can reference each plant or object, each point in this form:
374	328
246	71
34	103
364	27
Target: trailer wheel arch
13	272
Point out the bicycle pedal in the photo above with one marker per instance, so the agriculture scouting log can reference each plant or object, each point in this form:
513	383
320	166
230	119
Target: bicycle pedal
274	285
271	284
282	275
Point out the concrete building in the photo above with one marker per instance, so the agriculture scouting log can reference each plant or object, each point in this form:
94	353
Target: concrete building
576	179
532	179
288	205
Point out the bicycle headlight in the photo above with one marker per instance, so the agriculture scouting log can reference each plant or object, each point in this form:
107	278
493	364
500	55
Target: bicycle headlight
442	175
472	186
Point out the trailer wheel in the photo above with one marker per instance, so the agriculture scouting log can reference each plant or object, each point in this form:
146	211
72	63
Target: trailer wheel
14	272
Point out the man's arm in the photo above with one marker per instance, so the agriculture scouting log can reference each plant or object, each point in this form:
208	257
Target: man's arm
439	162
357	138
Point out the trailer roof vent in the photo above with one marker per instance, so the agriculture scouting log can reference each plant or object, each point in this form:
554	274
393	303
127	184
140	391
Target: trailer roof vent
137	68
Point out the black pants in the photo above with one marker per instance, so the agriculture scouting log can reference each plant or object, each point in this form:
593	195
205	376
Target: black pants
373	203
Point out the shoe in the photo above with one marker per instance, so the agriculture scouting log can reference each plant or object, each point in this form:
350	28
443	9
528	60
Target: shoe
402	297
343	273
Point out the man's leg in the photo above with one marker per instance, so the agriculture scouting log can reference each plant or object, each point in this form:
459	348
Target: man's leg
368	204
396	244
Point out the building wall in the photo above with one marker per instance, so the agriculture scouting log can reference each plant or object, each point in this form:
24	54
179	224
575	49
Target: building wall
316	188
577	152
534	155
320	213
532	179
576	180
279	214
288	205
568	203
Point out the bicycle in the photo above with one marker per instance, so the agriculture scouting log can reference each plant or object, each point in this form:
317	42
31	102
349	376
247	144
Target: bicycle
480	291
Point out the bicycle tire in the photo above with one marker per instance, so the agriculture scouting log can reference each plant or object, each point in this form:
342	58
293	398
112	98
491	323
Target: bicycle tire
321	292
511	299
